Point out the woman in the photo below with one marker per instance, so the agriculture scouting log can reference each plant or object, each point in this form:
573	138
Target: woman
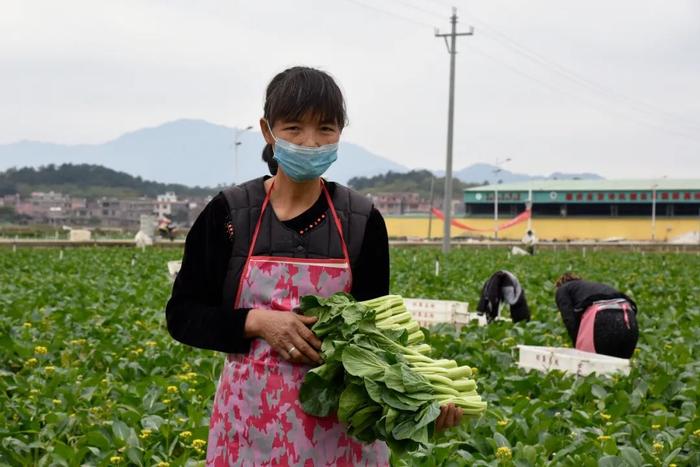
252	253
598	318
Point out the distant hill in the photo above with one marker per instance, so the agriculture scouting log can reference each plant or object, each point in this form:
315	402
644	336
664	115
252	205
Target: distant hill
417	181
188	152
89	181
480	173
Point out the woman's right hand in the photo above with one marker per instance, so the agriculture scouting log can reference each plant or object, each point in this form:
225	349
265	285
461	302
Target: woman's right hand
285	332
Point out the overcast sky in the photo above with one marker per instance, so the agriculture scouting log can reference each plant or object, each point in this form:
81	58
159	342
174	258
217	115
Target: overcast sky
611	87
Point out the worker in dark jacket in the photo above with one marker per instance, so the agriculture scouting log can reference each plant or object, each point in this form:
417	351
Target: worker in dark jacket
503	287
599	318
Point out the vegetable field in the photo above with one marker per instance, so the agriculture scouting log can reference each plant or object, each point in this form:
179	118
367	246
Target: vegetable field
90	376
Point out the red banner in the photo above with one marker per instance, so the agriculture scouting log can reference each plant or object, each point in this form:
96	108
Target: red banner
523	216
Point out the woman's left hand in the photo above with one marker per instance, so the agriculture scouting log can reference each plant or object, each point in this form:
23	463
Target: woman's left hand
450	416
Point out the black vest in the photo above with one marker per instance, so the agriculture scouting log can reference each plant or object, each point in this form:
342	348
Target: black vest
275	239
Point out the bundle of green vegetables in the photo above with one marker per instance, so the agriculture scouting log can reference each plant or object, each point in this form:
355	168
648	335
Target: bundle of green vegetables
377	373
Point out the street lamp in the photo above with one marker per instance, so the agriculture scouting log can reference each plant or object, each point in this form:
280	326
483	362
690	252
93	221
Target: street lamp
496	171
236	143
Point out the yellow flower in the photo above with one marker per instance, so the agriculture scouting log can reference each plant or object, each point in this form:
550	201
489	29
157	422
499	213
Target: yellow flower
152	344
655	426
191	391
605	416
186	434
27	325
115	459
40	350
49	369
198	443
163	464
172	389
697	433
32	362
672	465
34	391
503	422
78	341
166	401
57	401
658	447
145	433
504	453
603	438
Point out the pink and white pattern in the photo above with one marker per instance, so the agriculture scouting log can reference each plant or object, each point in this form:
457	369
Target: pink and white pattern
257	418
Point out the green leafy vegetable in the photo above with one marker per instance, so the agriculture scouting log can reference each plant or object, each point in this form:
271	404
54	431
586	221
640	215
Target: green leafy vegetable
388	389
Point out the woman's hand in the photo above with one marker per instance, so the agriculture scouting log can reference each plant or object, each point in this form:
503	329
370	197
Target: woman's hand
287	333
450	416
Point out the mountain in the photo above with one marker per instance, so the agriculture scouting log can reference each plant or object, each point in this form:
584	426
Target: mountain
89	181
189	152
480	173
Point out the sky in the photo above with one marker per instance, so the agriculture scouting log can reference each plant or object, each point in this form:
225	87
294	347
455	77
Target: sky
582	85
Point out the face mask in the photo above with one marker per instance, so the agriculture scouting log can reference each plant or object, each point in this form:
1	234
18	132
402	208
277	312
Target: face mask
303	163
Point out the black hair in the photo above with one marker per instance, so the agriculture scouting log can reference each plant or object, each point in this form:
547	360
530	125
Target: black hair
298	91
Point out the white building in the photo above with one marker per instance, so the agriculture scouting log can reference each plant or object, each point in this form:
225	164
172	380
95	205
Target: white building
164	206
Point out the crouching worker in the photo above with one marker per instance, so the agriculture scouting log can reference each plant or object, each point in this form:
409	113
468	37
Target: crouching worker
598	318
503	287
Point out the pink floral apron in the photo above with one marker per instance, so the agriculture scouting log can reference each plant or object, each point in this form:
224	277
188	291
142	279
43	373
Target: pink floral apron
257	418
585	339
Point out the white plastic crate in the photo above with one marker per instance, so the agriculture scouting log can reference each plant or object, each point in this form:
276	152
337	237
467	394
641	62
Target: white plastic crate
173	268
428	312
571	361
79	235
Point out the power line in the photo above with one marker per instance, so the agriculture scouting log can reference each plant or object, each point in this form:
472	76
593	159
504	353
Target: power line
392	14
582	81
639	105
582	99
421	9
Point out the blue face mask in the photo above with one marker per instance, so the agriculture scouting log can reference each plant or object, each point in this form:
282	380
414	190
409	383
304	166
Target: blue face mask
303	163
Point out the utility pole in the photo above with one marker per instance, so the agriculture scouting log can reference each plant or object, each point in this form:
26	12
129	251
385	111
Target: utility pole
452	50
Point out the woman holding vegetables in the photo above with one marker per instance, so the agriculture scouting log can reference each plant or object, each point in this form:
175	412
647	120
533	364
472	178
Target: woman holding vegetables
257	248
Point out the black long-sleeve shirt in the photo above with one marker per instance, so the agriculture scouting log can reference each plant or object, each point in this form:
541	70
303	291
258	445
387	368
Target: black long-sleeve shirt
195	314
575	296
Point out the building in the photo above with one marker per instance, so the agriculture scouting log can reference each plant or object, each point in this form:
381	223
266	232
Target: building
48	207
165	204
399	203
657	209
116	212
588	198
565	210
61	209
